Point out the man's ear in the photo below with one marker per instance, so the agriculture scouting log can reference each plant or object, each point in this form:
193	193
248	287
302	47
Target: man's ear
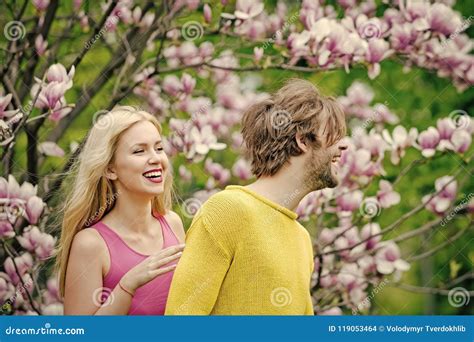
301	142
110	173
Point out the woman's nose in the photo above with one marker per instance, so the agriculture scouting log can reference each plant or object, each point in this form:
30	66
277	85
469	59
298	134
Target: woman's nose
155	158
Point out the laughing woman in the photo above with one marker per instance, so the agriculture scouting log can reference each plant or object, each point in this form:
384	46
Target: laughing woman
120	241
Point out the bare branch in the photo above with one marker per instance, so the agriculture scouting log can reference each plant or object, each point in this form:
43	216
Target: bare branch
99	27
423	289
439	247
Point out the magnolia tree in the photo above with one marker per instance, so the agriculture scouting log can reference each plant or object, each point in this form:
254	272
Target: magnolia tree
178	60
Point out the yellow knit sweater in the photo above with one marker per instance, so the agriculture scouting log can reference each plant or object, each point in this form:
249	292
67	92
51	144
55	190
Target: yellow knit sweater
244	255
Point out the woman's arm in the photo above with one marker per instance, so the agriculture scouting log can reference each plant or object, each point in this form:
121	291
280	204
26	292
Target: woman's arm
88	257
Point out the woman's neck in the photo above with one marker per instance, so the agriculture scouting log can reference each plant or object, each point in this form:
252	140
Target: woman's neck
132	213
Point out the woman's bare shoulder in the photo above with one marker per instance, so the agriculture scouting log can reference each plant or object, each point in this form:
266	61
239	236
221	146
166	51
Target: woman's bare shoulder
176	224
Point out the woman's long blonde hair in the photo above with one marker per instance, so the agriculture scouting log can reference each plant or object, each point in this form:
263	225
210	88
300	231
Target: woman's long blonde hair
93	195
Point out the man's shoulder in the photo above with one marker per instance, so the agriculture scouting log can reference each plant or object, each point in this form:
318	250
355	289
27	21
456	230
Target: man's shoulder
230	198
227	210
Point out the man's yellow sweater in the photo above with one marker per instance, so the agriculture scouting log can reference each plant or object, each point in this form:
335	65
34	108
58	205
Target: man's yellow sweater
244	255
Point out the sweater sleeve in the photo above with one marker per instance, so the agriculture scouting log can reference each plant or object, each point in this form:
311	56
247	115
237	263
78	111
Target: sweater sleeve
197	279
309	303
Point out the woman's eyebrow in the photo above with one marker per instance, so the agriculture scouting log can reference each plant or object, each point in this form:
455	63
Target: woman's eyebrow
145	144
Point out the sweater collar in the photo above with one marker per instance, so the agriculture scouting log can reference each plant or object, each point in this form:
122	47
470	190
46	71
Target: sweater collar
291	214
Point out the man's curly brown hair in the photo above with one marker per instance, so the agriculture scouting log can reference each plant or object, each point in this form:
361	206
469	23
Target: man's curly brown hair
269	127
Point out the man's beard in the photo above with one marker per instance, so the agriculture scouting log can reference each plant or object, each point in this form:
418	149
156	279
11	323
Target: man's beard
318	173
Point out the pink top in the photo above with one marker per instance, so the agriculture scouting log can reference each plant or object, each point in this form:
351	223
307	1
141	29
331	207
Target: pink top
149	299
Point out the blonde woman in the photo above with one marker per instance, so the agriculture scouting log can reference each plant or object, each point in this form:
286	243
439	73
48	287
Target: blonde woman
120	241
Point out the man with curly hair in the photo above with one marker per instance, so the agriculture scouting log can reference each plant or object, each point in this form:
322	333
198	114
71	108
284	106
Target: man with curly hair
246	254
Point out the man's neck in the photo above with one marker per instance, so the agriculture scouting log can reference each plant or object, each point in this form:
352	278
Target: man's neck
284	188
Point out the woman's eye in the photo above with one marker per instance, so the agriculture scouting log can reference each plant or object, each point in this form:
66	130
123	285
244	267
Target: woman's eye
159	148
137	151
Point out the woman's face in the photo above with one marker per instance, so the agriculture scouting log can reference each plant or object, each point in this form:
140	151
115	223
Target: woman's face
140	164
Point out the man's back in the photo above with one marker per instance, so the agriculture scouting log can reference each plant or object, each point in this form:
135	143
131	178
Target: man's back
244	255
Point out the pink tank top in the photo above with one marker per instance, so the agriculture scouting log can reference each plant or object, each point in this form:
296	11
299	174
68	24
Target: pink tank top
149	299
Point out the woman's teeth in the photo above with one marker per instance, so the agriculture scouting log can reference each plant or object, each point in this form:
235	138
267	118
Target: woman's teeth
152	174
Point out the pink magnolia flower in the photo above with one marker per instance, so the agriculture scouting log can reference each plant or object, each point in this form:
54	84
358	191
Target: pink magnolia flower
367	232
6	288
4	102
443	19
446	128
447	187
59	111
41	5
206	49
207	13
23	262
351	277
310	204
51	149
257	54
386	196
383	114
461	140
184	174
367	264
57	73
360	94
388	259
326	236
247	9
470	205
30	238
77	4
45	248
6	230
171	85
217	171
428	141
50	95
193	141
378	50
51	295
403	37
11	189
188	83
436	204
242	169
40	45
34	209
33	240
372	142
399	141
350	201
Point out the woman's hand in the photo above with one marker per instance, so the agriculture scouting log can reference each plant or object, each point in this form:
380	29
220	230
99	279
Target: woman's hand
151	267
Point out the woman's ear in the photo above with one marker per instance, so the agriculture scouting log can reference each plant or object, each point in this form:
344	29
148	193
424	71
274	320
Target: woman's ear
110	173
301	142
